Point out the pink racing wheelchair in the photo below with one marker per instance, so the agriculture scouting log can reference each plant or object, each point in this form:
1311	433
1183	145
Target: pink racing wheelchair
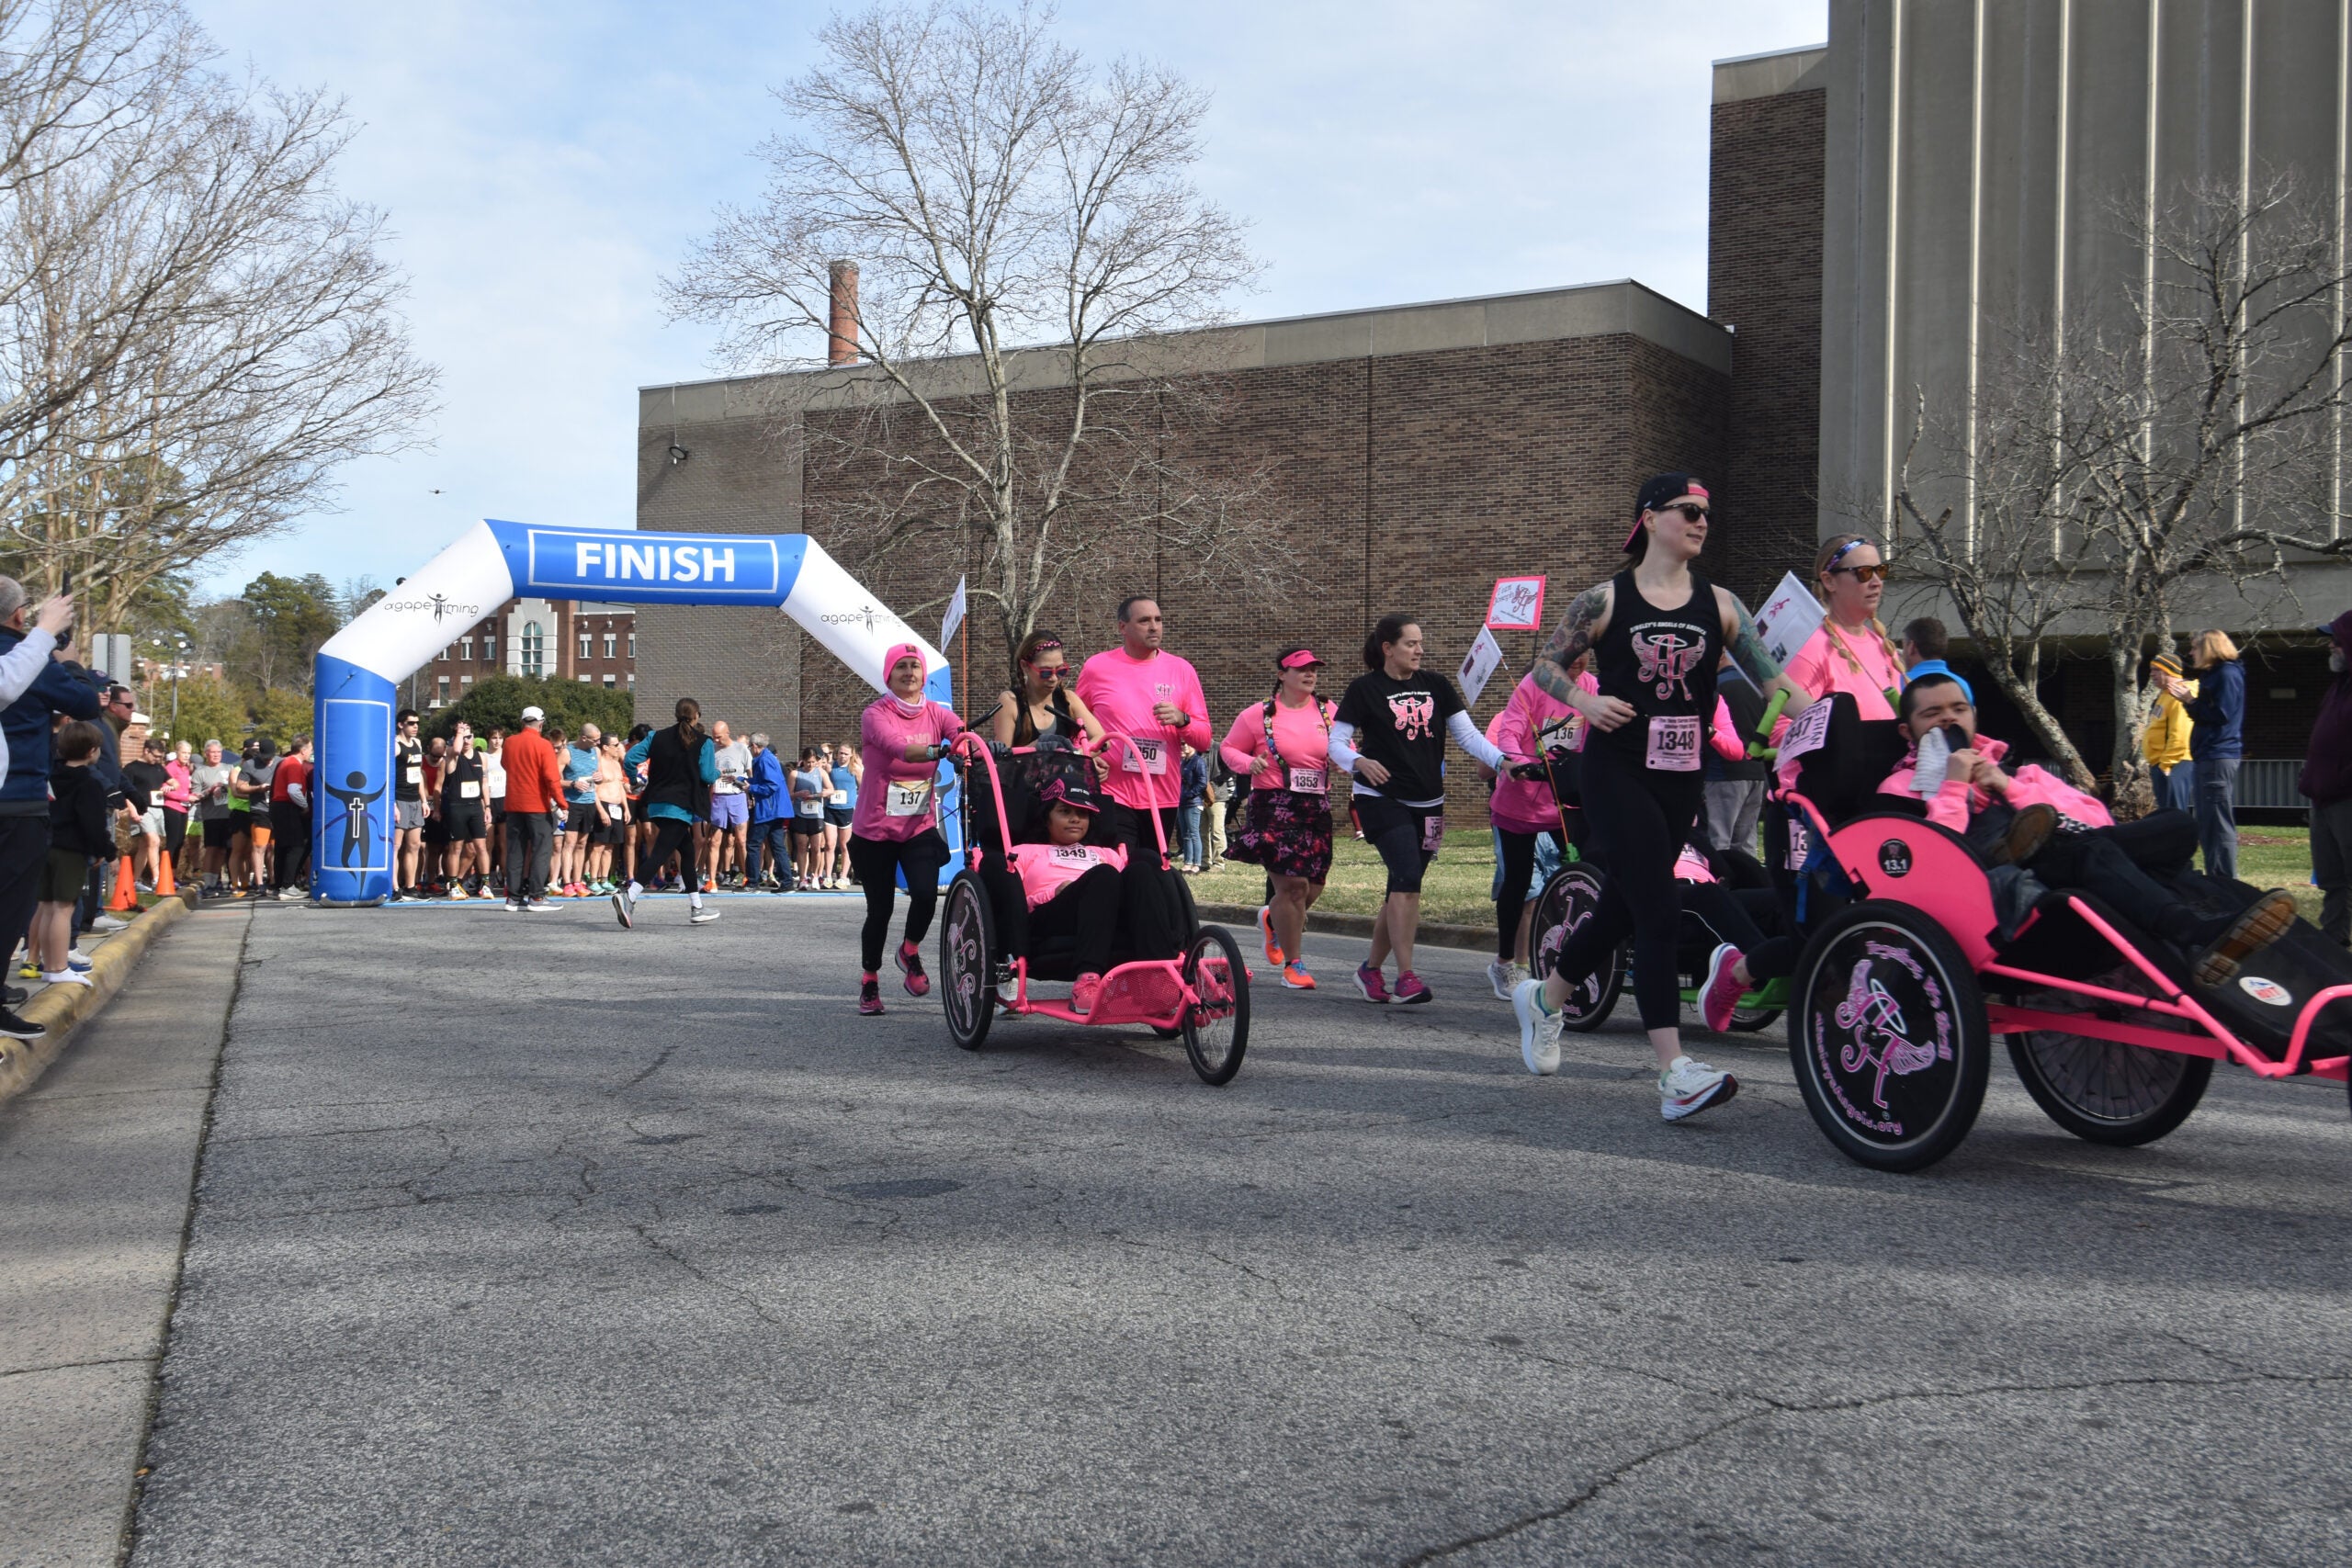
1912	965
1199	995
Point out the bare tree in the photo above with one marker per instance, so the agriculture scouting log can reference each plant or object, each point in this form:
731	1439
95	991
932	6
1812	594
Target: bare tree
996	191
2196	443
196	328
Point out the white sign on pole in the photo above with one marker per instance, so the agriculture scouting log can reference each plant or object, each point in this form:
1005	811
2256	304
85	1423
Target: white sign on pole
1789	618
954	616
1485	656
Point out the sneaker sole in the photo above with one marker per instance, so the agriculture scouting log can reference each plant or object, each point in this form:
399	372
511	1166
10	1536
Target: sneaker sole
1707	991
2271	918
1367	992
1291	984
1266	935
620	912
1682	1109
1416	999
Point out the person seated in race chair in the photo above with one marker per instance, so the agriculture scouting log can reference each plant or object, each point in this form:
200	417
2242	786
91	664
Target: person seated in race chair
2064	839
1056	889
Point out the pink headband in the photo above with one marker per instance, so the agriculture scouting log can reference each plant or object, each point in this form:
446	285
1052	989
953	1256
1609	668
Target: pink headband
1301	660
903	650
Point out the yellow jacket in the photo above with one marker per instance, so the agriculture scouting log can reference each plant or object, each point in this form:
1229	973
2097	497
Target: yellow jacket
2165	741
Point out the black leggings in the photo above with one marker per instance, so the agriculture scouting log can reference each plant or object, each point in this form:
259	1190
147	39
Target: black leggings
670	837
878	862
1741	915
1396	831
1087	912
1519	875
1639	819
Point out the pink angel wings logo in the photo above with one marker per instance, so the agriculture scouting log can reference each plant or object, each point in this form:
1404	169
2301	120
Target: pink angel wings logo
1416	716
1876	1019
1667	659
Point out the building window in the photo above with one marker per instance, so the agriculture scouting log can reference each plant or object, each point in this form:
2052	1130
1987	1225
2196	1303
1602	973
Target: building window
632	680
465	680
465	647
490	648
632	644
535	659
611	681
441	691
612	644
587	680
583	645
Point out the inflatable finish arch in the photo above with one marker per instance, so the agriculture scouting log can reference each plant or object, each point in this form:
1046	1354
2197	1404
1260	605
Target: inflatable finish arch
360	669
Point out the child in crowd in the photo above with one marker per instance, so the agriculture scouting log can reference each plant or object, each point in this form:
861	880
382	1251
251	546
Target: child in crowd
77	835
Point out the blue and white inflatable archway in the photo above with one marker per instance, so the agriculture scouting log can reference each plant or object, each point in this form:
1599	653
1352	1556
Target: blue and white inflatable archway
360	669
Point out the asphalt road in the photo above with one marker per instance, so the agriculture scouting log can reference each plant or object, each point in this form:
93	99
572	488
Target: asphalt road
529	1240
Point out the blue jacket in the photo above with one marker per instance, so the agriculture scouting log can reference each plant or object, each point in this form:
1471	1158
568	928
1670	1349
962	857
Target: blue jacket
1193	775
60	688
770	795
2218	711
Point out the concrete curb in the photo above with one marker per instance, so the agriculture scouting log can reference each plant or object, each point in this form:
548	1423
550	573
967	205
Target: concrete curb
1474	939
62	1009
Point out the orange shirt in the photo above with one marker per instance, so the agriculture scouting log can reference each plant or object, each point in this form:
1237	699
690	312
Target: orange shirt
533	782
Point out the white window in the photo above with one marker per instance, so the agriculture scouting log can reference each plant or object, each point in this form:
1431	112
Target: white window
490	648
612	644
609	679
535	658
632	644
632	680
583	645
466	649
465	680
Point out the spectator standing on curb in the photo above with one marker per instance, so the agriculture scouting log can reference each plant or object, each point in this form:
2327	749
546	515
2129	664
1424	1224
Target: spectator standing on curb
2216	743
534	791
770	794
1191	801
2327	780
210	780
408	803
289	815
729	808
179	800
2165	741
35	691
114	717
78	835
143	782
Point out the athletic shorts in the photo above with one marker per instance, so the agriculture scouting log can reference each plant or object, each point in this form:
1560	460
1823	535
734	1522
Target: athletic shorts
151	821
807	827
613	831
408	815
218	831
581	818
498	813
729	811
62	879
464	822
839	815
260	831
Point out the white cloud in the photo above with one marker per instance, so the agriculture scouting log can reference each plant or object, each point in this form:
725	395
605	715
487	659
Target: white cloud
543	163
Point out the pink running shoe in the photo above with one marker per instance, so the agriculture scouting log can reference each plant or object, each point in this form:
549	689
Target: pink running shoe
869	996
1083	992
918	984
1409	989
1368	981
1720	994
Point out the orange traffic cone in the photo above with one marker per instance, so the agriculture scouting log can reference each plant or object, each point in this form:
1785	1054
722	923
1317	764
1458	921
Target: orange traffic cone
126	888
165	886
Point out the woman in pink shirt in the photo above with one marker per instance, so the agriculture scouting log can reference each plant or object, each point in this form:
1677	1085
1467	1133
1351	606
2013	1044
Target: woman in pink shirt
1282	746
1532	722
896	827
1852	652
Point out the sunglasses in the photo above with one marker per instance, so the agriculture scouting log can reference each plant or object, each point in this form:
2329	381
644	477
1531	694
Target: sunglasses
1050	672
1863	573
1692	511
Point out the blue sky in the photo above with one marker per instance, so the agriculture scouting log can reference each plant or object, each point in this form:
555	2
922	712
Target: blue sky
544	164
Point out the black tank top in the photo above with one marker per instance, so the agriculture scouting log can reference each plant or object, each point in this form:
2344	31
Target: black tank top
1663	662
1024	724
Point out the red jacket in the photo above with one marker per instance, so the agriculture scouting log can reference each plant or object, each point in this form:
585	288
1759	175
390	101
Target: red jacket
533	782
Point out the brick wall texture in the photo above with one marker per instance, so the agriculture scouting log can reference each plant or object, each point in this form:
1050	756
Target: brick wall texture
1416	479
1764	226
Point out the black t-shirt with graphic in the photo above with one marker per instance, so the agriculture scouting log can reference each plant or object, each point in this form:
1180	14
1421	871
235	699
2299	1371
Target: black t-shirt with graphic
408	768
1401	726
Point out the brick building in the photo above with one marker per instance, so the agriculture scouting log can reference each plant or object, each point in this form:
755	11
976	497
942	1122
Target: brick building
561	640
1426	449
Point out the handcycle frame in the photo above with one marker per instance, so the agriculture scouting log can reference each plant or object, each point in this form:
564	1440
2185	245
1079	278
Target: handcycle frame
1897	982
1182	980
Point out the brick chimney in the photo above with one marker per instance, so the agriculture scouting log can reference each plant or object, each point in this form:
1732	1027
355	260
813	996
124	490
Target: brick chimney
842	348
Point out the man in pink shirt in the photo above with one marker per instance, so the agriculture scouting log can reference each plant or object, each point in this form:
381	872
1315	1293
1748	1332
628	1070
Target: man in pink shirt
1140	690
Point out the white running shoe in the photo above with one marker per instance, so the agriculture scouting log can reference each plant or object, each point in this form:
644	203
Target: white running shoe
1498	975
539	906
703	916
1539	1031
624	907
109	924
66	977
1686	1088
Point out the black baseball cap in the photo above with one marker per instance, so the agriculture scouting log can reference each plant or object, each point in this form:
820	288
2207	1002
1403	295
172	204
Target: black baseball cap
1076	793
1660	490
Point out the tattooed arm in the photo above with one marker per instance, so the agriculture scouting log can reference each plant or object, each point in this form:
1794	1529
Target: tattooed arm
1579	630
1746	646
